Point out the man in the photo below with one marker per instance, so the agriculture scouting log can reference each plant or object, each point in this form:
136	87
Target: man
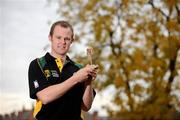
60	86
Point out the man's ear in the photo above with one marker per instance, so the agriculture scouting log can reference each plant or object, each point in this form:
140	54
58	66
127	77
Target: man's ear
73	38
50	38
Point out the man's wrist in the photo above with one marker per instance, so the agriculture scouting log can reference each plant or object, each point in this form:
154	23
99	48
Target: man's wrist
88	82
74	80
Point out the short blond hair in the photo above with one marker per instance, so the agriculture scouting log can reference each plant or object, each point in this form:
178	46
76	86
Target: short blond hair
61	23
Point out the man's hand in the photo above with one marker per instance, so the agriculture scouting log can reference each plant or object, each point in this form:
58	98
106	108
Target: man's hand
89	71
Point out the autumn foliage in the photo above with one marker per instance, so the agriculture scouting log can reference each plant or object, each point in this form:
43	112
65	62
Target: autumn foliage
137	47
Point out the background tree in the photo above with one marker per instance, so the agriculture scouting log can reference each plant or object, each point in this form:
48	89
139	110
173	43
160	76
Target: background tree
137	47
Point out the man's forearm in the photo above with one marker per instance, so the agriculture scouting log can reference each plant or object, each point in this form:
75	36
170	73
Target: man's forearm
88	96
53	92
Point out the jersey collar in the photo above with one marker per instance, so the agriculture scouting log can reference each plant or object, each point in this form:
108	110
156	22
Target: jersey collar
50	58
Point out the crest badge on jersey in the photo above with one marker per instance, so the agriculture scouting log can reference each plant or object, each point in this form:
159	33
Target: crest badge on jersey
47	73
36	84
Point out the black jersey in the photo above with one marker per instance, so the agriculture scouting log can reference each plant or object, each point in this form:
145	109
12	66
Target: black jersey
46	72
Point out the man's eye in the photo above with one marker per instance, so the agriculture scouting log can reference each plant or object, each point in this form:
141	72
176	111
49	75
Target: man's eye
58	37
67	39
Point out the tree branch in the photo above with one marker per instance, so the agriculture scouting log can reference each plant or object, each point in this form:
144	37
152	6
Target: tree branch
178	13
151	2
172	66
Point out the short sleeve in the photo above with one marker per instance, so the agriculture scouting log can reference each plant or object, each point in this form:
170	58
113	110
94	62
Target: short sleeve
94	92
36	78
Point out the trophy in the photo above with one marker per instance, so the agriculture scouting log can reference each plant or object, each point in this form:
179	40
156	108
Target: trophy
89	54
90	59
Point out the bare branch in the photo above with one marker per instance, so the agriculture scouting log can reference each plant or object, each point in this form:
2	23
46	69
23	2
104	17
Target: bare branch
151	2
178	13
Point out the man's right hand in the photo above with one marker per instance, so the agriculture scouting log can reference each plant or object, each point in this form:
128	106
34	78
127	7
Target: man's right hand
84	73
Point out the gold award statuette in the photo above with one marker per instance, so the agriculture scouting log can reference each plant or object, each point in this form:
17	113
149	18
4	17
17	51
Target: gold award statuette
90	59
89	54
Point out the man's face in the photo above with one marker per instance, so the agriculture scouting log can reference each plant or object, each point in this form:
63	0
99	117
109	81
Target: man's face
61	40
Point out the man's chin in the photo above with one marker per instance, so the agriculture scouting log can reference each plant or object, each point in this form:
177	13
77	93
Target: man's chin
62	53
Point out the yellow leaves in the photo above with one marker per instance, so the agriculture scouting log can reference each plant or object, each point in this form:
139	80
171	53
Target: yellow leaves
119	82
163	99
173	46
157	62
102	25
82	16
125	2
152	27
142	1
172	25
91	5
177	41
163	42
110	10
98	29
168	45
140	28
138	57
107	22
138	89
130	22
174	41
138	61
118	100
171	3
160	41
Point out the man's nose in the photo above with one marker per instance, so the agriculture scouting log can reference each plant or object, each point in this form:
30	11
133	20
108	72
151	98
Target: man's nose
63	41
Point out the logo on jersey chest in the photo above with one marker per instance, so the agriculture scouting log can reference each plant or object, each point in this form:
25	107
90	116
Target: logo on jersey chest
52	73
